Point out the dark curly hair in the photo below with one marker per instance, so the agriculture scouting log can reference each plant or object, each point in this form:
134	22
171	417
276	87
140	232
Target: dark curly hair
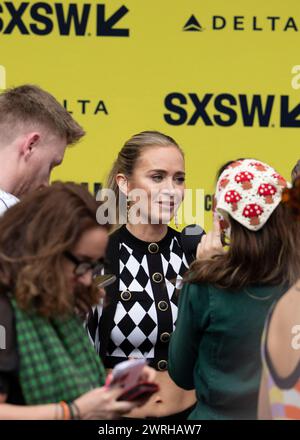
34	234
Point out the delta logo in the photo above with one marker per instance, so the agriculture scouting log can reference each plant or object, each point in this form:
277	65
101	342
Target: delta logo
78	19
243	23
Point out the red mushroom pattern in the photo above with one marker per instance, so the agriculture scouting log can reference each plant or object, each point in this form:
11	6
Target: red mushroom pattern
280	180
258	166
233	197
267	191
253	211
224	182
244	178
235	164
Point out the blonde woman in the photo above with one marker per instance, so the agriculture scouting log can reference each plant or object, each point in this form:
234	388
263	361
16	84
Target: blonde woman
147	257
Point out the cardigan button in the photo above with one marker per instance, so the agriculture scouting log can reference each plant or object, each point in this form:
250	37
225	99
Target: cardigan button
153	248
163	306
126	295
157	277
162	365
165	337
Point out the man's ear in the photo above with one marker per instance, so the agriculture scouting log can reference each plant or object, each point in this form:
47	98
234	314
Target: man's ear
122	183
29	144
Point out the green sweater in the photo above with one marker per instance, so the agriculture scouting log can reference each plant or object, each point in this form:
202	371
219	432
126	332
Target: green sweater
216	348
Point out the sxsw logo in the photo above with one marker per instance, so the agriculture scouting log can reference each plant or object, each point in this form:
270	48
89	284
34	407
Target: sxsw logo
226	110
43	18
242	23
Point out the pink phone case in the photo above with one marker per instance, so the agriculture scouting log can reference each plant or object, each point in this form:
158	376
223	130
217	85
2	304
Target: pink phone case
142	390
126	373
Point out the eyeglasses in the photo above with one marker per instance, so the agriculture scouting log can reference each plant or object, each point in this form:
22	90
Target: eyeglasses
97	267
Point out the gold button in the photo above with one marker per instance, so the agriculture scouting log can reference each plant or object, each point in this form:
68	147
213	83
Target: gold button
162	365
153	248
126	295
157	277
165	337
163	306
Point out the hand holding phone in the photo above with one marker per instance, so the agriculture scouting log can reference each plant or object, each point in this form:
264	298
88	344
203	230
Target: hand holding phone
140	391
128	374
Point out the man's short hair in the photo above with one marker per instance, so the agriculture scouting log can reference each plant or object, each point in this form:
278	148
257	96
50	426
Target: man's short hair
296	171
29	104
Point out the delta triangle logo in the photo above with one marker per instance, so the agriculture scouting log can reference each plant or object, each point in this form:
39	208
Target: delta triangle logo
192	25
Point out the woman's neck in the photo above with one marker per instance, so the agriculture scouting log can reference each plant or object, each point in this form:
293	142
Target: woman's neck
150	233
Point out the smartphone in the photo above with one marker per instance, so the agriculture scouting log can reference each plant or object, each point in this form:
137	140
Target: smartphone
142	390
127	374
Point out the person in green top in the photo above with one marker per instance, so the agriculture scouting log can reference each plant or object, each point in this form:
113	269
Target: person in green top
228	292
51	246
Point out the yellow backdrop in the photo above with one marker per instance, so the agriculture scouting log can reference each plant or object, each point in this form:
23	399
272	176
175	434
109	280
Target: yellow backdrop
217	76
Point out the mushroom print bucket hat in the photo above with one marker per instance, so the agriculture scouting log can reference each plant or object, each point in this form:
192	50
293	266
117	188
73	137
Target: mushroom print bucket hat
249	191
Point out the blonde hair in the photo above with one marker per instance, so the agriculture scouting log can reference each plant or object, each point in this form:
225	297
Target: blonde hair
29	104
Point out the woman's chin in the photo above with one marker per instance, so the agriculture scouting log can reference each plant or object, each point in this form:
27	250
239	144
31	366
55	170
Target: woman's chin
162	220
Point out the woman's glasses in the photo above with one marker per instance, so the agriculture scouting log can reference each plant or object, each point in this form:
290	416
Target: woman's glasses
97	267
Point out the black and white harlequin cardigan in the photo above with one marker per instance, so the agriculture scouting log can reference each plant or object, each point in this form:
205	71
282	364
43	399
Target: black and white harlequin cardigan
140	308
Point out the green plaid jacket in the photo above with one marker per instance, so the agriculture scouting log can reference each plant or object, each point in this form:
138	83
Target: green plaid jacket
57	360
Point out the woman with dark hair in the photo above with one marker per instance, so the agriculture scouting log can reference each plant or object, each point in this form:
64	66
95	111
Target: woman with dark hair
279	396
227	293
50	245
147	257
295	171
